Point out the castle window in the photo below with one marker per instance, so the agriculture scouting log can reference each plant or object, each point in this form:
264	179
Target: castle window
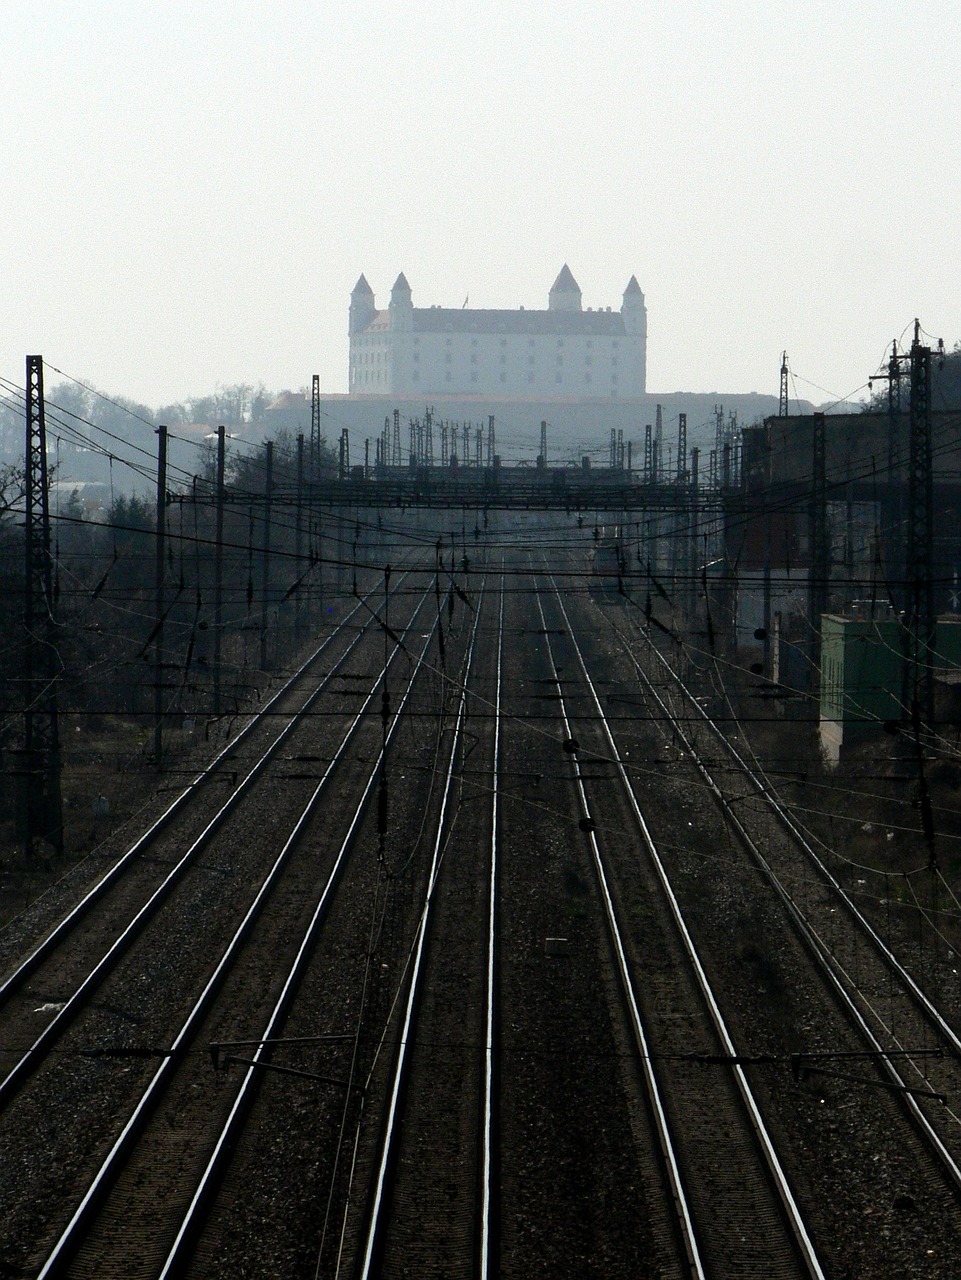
503	377
530	377
587	377
473	359
530	359
447	342
503	358
587	360
416	356
503	342
560	359
589	344
558	377
447	358
613	359
473	342
560	342
473	377
416	376
530	342
447	376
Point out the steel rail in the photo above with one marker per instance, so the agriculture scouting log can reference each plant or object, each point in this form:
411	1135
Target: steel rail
210	1179
682	1208
53	939
919	996
375	1228
820	954
58	1023
487	1135
779	1177
71	1239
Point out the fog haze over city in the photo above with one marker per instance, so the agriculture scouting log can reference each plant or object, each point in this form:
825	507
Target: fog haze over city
192	190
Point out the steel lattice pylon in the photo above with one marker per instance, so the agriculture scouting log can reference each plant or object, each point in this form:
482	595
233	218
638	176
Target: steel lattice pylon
41	806
314	423
921	529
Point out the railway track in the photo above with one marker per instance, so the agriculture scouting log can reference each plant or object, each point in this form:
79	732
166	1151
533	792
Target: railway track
491	984
90	1047
801	1004
714	1143
889	998
429	1205
123	900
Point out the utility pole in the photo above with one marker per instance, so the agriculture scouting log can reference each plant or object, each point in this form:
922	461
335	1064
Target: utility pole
265	560
695	522
921	528
314	425
299	539
428	459
41	804
681	447
160	604
543	444
892	505
819	541
219	567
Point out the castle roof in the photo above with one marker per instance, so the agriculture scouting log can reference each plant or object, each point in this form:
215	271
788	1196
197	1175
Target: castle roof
401	285
565	282
550	323
361	287
633	288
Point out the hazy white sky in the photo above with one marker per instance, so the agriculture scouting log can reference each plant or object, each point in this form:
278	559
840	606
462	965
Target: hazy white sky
192	189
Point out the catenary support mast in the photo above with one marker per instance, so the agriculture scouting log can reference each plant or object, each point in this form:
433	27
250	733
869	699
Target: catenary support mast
41	807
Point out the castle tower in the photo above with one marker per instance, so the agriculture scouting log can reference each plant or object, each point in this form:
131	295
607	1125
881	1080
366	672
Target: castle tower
362	307
401	307
565	294
634	313
633	309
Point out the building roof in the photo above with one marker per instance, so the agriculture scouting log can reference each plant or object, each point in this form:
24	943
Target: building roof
401	285
565	282
560	323
633	288
361	287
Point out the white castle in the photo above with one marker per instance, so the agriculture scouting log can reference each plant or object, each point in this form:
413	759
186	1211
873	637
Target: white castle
564	352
